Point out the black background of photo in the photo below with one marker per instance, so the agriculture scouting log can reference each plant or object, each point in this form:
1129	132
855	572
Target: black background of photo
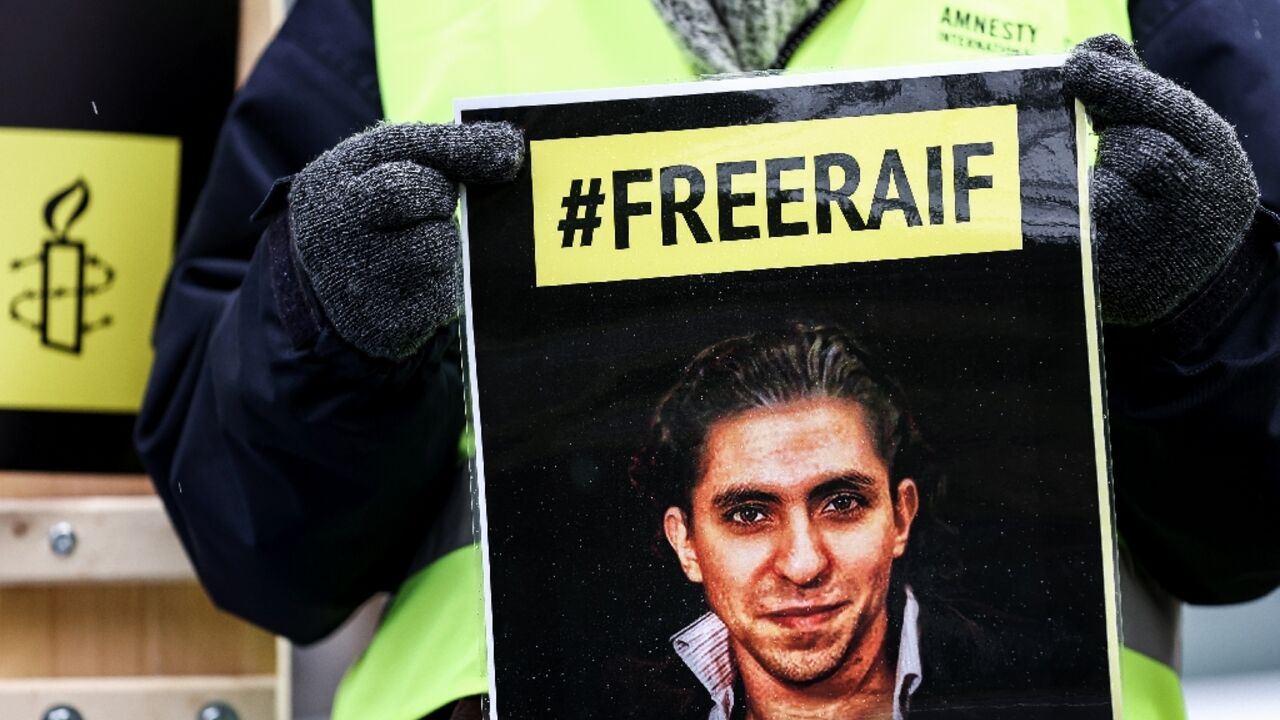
991	349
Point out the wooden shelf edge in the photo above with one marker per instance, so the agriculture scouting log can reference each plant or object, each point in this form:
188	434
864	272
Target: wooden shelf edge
117	539
202	683
254	697
37	484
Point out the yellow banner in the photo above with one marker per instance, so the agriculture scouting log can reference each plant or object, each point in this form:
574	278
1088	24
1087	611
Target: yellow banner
86	236
793	194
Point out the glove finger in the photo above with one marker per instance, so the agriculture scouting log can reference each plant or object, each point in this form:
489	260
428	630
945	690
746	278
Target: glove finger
1113	204
483	152
1118	91
399	194
1079	72
411	285
1110	44
1124	231
1154	163
431	253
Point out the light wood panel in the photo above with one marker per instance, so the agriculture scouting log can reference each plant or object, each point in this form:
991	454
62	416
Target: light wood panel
116	539
119	629
125	630
259	20
47	485
284	679
252	697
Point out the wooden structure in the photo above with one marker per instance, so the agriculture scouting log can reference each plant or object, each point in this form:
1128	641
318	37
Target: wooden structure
100	611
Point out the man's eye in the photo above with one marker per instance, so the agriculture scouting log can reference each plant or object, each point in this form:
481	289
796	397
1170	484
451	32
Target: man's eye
747	515
844	503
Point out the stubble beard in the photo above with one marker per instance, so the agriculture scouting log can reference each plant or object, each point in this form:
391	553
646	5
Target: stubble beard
813	662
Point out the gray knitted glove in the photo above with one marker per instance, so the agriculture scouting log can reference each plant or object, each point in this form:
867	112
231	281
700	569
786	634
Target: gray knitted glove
373	227
1172	193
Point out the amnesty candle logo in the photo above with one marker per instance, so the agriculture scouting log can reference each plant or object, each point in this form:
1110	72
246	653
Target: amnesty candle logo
55	309
789	194
86	236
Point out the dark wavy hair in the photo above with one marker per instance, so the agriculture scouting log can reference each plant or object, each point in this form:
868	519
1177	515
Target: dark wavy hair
774	368
762	370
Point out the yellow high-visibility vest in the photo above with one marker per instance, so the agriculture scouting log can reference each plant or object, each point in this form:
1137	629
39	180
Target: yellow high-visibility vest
430	650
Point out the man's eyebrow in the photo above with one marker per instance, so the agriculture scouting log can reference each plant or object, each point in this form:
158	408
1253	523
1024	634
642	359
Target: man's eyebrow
848	481
738	495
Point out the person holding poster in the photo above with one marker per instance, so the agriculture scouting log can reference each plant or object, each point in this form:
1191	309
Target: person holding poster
783	467
306	470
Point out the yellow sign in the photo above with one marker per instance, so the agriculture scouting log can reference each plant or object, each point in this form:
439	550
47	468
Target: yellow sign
87	222
793	194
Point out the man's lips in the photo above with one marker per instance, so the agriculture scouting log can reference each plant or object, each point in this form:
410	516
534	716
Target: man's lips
807	616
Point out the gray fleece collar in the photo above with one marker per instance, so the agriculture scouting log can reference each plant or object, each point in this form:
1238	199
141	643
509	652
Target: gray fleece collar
735	35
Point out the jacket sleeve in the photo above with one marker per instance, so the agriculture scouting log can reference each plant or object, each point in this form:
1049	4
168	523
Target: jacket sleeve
1194	405
299	473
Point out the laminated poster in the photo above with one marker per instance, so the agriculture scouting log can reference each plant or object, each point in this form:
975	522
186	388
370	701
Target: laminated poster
787	402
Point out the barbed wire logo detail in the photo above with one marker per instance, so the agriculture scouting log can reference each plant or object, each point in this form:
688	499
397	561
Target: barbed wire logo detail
55	309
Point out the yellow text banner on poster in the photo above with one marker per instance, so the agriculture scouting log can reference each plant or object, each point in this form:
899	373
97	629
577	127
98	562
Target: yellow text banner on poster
790	194
86	235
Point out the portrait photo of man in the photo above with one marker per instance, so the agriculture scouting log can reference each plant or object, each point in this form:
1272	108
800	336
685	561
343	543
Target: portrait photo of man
791	483
784	460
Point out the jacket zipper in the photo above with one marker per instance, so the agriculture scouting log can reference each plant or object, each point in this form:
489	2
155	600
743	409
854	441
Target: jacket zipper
802	33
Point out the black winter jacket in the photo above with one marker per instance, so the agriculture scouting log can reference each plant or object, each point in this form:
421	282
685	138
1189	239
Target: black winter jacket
297	470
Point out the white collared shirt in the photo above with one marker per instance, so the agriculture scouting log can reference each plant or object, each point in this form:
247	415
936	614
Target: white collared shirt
704	647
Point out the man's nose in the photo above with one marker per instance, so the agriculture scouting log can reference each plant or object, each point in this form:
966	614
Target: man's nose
802	559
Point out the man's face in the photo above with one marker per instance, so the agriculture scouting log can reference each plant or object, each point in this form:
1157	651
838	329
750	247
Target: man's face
793	534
